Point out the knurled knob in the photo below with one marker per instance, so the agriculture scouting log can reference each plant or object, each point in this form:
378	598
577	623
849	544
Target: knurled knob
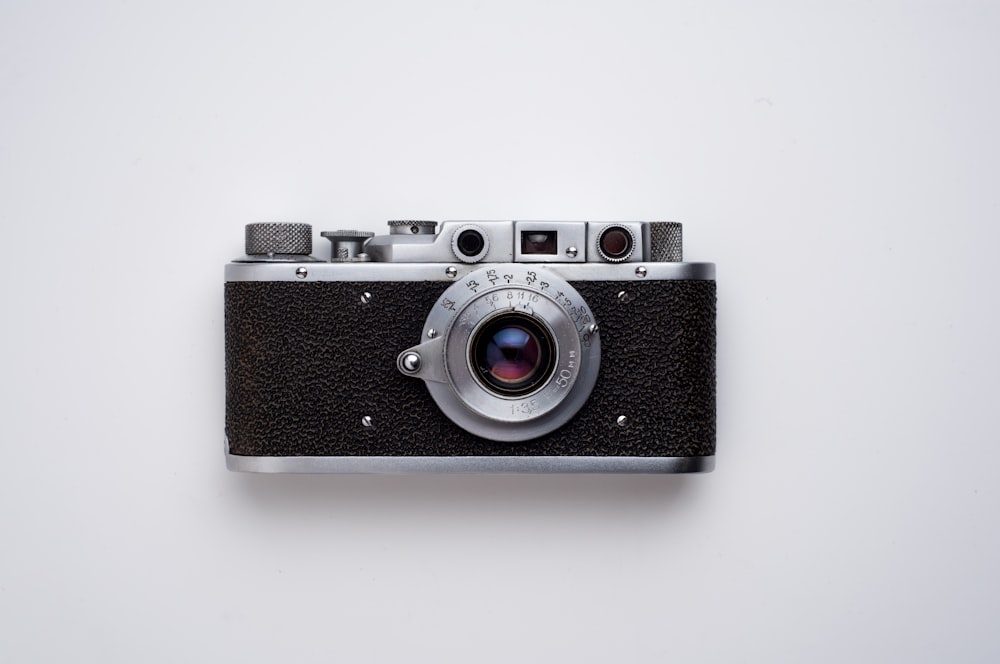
666	242
412	227
278	238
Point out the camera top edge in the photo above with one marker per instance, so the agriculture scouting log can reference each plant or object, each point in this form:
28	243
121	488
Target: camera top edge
473	242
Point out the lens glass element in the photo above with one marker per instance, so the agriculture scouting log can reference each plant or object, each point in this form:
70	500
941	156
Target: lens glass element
512	354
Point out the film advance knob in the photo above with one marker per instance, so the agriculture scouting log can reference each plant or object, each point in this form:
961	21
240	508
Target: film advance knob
347	245
275	238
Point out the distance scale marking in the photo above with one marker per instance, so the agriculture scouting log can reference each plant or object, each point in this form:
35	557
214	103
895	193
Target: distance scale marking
545	284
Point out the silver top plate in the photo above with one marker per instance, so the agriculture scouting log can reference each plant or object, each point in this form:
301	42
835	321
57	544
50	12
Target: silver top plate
454	271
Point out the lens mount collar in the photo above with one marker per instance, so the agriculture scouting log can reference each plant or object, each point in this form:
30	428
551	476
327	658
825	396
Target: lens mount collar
460	313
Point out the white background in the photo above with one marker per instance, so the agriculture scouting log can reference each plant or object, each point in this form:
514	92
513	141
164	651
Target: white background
839	163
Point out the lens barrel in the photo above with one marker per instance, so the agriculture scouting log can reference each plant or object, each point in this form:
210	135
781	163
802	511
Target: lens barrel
509	356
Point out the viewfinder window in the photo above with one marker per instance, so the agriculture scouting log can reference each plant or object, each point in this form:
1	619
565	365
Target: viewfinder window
538	242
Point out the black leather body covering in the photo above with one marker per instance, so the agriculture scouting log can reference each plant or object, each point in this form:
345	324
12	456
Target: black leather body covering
305	361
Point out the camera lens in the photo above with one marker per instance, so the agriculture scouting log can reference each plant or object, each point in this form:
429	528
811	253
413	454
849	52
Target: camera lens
512	354
470	242
615	244
507	361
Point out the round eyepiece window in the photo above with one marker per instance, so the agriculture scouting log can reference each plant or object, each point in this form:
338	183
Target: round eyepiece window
615	244
470	242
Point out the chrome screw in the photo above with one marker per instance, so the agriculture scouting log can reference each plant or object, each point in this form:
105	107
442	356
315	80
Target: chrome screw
451	271
301	273
572	252
640	272
431	333
624	297
366	297
366	421
410	362
592	329
622	421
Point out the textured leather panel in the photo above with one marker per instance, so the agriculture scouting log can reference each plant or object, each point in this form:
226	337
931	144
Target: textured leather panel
306	360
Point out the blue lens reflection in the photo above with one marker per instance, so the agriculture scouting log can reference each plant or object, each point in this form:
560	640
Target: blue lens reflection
512	354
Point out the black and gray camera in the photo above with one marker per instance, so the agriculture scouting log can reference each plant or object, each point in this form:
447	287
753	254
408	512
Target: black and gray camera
493	346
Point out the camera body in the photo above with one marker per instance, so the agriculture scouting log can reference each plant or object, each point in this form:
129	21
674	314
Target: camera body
512	346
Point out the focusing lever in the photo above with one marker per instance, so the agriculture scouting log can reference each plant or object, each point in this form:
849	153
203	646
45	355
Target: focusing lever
425	361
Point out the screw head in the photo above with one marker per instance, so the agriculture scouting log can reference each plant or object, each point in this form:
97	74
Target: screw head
366	297
625	297
410	362
622	421
431	333
640	271
451	271
592	329
301	273
571	252
366	421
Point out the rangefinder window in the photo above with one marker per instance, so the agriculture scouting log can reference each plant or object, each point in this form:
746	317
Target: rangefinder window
539	242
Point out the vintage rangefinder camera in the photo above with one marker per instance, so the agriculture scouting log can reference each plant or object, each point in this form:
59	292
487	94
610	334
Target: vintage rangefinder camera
470	346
